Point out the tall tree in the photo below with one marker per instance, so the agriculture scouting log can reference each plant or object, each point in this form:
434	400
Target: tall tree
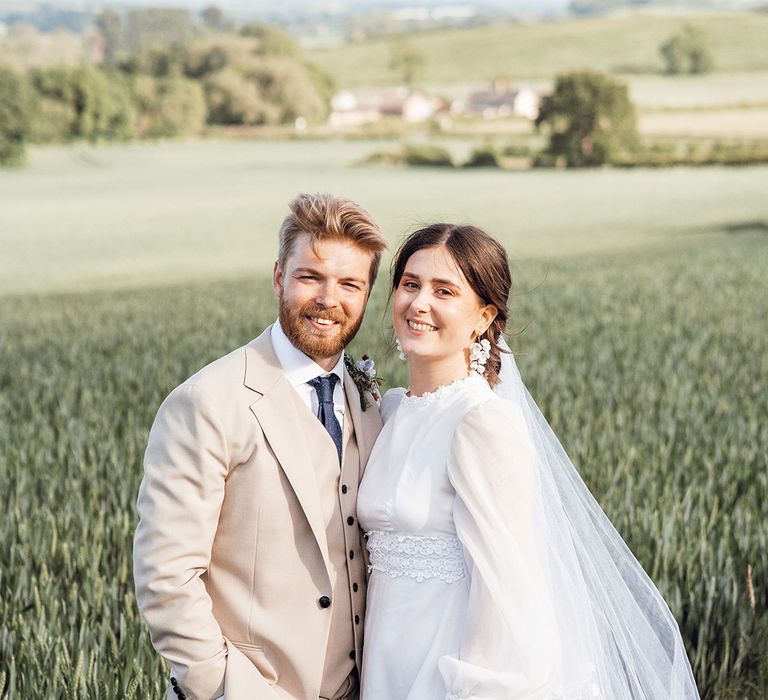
109	25
590	119
157	28
688	51
273	41
213	18
406	60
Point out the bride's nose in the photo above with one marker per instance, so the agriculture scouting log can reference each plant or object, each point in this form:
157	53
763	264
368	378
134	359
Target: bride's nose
420	303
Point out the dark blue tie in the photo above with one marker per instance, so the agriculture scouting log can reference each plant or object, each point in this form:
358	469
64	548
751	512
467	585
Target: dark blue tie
324	388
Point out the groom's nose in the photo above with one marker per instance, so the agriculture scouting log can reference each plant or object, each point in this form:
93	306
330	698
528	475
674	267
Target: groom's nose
327	295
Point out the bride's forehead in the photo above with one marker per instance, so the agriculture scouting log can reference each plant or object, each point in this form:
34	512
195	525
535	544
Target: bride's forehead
435	262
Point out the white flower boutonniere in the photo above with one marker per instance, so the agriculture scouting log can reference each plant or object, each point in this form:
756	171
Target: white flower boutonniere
363	373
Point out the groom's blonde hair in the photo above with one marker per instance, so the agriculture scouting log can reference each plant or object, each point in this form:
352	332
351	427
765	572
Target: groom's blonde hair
324	216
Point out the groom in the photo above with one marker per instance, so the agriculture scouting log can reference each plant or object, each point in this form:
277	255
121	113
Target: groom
248	561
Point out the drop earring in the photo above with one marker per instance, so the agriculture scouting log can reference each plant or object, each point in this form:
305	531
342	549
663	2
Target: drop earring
399	348
478	355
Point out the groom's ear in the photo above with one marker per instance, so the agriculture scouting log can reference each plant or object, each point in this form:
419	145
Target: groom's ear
277	278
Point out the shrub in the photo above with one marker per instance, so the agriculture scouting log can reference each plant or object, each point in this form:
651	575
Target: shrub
83	103
484	156
16	105
287	86
517	150
272	41
234	99
427	154
688	51
168	107
660	155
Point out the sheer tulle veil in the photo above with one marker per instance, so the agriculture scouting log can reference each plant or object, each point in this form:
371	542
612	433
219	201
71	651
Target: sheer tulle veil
617	639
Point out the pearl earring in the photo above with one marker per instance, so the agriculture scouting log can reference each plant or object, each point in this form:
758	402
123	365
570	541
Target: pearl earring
399	348
479	354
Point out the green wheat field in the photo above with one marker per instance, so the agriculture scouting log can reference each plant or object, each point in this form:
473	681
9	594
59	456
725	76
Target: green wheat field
640	315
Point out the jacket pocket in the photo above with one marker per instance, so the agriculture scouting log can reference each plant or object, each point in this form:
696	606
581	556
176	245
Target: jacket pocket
259	657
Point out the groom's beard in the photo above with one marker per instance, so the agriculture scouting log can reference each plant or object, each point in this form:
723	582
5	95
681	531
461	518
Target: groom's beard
312	342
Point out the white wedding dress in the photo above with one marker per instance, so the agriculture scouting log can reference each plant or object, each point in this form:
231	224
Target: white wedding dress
460	597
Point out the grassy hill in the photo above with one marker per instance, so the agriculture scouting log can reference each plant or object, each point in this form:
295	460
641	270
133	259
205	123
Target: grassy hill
621	44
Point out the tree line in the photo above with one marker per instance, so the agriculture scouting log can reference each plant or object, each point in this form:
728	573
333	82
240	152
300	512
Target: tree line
162	84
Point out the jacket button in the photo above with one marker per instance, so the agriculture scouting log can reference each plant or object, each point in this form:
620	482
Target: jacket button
324	602
350	520
351	554
357	619
352	654
355	587
343	488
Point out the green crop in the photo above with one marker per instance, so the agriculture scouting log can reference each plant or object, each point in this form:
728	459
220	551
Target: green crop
651	366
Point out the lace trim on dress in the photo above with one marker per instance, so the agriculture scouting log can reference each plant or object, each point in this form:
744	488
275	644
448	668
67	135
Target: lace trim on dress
441	392
589	692
418	557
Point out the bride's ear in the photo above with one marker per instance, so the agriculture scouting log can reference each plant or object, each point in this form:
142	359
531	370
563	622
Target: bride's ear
487	316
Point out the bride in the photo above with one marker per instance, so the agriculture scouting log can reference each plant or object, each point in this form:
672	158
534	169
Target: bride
495	575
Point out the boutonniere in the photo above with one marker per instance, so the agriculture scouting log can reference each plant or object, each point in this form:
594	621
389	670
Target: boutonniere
363	373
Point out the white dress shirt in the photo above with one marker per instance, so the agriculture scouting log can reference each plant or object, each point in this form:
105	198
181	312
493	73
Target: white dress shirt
299	369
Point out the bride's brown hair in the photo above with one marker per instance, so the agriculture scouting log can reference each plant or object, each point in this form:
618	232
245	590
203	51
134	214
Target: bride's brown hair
484	263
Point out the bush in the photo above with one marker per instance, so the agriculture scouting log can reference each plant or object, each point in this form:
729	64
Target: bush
590	118
688	51
661	155
16	105
168	107
426	154
390	157
517	150
287	86
272	41
248	83
484	156
234	99
83	103
411	154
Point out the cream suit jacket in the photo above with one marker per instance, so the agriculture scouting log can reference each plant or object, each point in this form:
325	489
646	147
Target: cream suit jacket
231	556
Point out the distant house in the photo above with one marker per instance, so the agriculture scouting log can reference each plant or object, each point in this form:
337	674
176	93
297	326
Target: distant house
355	109
502	101
348	109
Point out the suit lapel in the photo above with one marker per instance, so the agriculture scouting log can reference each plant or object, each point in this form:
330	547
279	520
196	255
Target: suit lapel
278	412
366	423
